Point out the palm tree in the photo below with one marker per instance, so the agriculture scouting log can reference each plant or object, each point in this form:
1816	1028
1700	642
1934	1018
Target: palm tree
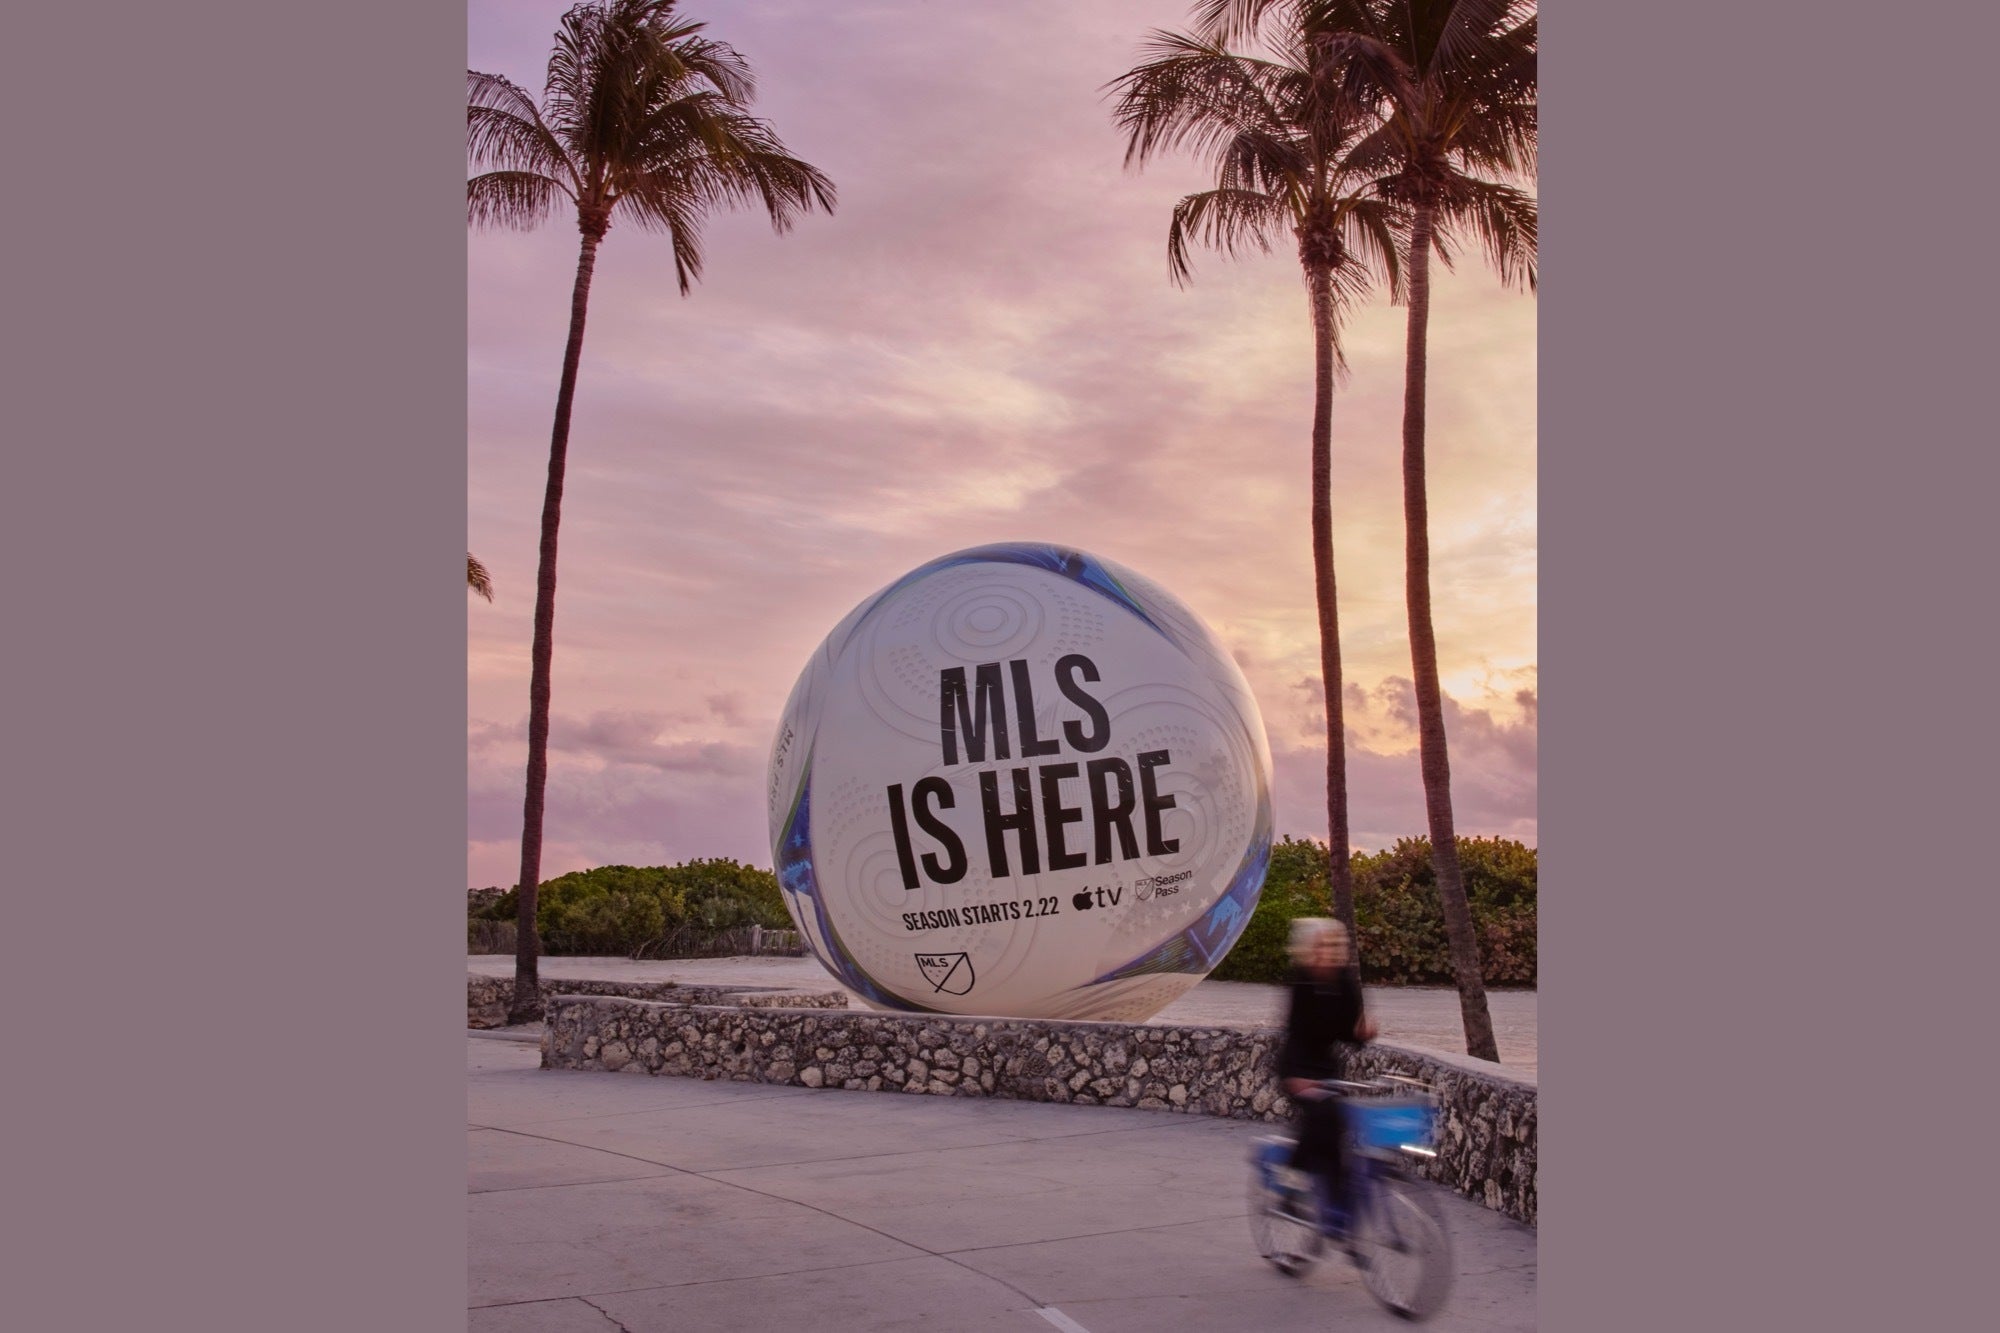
476	577
1460	76
1279	132
644	119
1464	128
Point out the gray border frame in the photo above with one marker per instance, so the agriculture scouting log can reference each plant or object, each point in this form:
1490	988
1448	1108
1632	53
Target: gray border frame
1757	501
233	512
235	392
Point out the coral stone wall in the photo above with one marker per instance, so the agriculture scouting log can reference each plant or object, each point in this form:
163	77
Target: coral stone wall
1486	1132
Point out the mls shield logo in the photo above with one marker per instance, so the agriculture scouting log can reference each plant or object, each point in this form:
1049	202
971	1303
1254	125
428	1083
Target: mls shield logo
950	973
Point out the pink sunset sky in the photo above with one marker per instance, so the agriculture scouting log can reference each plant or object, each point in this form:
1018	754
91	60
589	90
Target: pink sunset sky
980	345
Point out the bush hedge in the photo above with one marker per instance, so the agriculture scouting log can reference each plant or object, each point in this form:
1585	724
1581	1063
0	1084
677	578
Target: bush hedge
623	909
1399	924
629	909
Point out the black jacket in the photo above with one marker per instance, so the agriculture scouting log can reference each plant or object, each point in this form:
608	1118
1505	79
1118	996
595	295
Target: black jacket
1321	1022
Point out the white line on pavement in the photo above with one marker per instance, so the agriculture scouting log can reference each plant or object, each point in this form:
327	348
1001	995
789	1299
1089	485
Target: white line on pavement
1060	1320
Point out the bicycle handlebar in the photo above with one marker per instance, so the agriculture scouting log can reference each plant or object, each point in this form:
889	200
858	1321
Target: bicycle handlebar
1380	1083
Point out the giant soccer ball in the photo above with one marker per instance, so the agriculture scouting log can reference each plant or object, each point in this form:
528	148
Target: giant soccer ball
1021	780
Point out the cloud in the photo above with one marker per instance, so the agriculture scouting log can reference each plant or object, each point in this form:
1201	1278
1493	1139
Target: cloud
1494	767
483	737
634	815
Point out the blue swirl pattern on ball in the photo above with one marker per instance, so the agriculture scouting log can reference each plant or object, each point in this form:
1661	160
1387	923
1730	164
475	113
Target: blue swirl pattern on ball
796	879
1208	941
1077	566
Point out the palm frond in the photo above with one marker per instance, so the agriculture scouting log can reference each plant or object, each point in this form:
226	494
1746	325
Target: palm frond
719	159
685	237
1506	221
497	141
717	64
1455	35
1230	22
1355	72
514	200
501	94
1377	233
1351	287
476	577
609	63
786	186
1511	66
1485	136
679	214
702	145
1379	19
1273	162
1230	221
505	132
566	87
1195	94
734	165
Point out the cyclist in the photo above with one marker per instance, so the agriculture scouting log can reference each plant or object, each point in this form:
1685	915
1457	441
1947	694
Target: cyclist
1326	1017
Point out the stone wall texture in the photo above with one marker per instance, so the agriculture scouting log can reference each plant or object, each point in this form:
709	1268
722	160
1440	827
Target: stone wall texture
486	998
1486	1133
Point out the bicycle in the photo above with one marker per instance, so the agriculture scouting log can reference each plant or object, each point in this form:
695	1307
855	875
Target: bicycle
1394	1232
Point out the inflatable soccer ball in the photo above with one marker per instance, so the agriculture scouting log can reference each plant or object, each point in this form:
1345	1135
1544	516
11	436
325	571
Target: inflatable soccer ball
1023	781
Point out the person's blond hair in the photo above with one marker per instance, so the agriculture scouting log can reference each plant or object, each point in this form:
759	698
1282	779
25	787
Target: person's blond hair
1308	931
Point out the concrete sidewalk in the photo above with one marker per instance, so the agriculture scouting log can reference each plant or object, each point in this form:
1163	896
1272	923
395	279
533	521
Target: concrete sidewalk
1421	1016
613	1201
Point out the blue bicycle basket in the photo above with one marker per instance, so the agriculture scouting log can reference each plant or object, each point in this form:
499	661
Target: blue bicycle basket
1270	1153
1391	1123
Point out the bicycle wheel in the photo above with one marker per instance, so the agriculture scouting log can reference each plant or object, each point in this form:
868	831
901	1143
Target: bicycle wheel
1281	1223
1403	1248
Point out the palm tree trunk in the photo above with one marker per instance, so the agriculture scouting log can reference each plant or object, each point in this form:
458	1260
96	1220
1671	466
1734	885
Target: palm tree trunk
1436	764
1340	869
527	1005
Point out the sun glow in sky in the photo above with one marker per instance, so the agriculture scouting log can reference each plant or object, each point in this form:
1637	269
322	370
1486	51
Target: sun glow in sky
980	345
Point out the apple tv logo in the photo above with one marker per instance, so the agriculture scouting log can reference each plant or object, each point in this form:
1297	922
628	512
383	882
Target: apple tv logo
1097	897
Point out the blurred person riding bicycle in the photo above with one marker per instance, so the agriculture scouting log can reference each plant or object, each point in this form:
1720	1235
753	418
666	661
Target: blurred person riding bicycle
1326	1017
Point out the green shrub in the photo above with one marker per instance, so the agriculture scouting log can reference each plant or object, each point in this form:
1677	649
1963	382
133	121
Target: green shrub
1399	926
1294	886
623	909
615	921
505	907
482	936
1506	944
1401	934
721	893
1498	872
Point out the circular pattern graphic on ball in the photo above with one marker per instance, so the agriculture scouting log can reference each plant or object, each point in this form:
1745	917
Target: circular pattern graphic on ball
1024	781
